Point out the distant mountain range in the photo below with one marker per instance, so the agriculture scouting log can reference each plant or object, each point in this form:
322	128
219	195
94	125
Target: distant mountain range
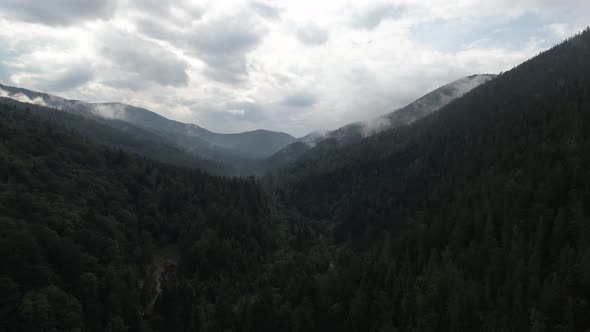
251	145
252	152
354	132
120	135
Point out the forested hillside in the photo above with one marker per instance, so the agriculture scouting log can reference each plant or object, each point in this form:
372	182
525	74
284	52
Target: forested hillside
318	143
82	227
239	149
119	134
475	218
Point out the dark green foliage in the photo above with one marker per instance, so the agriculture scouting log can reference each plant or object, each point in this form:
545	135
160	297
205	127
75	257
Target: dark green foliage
476	218
316	143
80	223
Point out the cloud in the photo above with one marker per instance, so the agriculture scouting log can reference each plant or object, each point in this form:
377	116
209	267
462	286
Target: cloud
235	65
453	91
223	44
562	30
143	60
110	111
164	19
464	85
128	84
221	41
265	10
12	55
146	7
460	33
4	73
69	79
375	125
57	13
312	35
4	68
22	98
372	17
156	29
300	100
43	62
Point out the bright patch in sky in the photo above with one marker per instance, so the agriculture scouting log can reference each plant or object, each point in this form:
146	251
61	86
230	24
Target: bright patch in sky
294	66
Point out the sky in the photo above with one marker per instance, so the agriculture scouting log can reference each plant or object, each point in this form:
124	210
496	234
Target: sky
286	65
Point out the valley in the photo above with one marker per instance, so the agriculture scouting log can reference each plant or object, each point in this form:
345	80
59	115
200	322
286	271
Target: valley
466	210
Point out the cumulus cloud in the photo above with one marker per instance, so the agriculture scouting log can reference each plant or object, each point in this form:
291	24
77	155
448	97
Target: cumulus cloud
143	60
313	35
70	78
235	65
56	13
223	44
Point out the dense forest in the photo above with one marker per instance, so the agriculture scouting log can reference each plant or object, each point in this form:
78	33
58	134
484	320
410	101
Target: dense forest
82	226
474	218
121	135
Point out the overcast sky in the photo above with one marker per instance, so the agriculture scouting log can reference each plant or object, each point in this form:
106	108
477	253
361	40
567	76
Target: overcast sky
293	66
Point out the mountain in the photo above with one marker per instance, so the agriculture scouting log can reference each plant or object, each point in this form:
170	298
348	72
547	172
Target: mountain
354	132
416	110
84	230
120	135
313	136
474	218
256	144
232	148
241	151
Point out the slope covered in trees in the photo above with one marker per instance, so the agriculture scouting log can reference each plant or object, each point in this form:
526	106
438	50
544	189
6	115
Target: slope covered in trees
120	134
81	226
355	132
476	218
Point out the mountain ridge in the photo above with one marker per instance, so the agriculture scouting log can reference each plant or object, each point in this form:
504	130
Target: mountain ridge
120	135
249	145
355	131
